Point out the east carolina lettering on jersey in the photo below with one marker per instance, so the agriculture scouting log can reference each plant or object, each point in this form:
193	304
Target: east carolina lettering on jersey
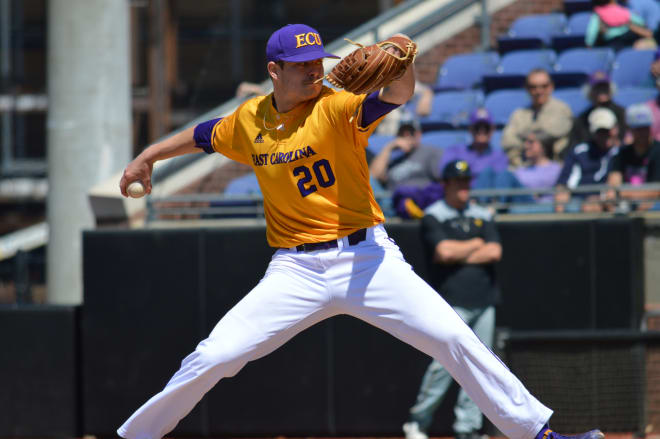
305	168
277	158
308	39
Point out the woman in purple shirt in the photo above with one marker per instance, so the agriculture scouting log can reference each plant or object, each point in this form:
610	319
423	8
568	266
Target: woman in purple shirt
538	172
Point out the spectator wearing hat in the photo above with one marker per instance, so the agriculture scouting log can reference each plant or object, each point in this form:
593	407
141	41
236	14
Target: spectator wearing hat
405	161
479	154
639	162
588	163
600	91
546	113
462	246
613	25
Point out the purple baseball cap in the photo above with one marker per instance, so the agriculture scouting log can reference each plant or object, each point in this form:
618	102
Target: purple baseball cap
599	77
296	43
481	115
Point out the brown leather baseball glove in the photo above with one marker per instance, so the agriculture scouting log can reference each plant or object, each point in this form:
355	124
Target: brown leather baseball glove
370	68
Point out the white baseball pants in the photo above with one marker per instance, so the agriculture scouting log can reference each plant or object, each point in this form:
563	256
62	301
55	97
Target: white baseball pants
370	281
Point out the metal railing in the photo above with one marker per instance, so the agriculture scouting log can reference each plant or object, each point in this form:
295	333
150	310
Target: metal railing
612	199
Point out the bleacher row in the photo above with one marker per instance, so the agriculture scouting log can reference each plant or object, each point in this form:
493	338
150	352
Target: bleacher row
495	79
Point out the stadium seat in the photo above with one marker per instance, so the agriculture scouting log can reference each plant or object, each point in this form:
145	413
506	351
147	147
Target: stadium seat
585	60
577	23
506	44
634	95
466	71
451	108
377	142
565	42
446	138
515	66
521	62
502	103
496	139
569	79
574	98
244	185
495	82
632	68
542	26
572	7
575	30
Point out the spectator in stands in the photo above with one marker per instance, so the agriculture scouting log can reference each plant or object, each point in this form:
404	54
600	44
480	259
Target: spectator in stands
638	162
410	201
546	113
462	246
423	96
600	94
588	163
404	160
654	104
613	25
480	154
538	172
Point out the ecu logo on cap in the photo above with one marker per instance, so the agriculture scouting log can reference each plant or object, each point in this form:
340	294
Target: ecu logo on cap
461	165
308	39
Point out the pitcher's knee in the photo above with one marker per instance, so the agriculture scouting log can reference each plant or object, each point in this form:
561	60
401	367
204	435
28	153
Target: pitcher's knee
221	356
448	342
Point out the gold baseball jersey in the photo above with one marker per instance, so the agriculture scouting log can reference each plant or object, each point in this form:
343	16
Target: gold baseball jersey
310	163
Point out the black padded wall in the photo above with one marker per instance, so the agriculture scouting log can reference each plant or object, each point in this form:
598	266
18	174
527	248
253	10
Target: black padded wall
39	372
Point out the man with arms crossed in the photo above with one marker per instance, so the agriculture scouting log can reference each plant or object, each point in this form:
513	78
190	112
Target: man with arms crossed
462	246
306	144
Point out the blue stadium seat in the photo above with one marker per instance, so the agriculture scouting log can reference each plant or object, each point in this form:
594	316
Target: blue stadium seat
585	60
502	103
569	79
542	26
514	67
574	98
575	30
577	23
521	62
506	44
502	82
632	68
451	108
496	139
446	138
565	42
377	142
465	71
244	185
634	95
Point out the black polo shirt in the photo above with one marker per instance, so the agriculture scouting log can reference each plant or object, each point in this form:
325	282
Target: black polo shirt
464	285
637	169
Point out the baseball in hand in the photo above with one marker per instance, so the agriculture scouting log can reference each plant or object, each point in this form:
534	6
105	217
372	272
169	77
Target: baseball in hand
135	189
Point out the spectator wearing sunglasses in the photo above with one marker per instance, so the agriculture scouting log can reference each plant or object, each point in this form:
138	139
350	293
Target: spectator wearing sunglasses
545	113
